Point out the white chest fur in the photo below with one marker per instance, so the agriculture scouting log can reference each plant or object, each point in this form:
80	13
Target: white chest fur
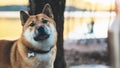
42	60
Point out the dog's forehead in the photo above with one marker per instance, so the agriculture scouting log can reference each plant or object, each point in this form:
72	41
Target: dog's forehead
41	15
38	17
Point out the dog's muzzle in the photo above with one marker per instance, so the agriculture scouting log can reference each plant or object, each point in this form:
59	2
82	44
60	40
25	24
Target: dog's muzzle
41	33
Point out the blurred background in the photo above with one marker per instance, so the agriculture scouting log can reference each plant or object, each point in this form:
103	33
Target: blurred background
85	28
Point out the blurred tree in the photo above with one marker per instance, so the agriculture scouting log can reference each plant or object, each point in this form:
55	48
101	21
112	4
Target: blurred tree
58	6
114	38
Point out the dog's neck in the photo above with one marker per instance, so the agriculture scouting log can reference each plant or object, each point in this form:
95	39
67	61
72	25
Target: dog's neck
32	51
38	50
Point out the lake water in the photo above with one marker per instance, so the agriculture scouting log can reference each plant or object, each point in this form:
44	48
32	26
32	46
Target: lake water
75	26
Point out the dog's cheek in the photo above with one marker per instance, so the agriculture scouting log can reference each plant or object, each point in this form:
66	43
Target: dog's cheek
53	31
28	34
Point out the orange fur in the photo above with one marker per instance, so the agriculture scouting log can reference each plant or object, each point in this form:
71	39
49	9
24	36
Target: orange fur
13	54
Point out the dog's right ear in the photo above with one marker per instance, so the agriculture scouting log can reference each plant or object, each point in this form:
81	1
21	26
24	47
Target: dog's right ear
23	17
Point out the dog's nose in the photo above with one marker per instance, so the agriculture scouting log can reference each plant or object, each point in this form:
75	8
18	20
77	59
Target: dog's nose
42	29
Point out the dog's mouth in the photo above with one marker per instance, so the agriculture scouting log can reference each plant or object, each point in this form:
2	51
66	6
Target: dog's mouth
41	37
41	33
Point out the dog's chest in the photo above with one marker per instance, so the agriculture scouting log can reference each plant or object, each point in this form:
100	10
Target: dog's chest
42	60
44	57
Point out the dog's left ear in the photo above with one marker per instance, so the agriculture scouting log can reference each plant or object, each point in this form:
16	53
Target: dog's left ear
23	16
48	10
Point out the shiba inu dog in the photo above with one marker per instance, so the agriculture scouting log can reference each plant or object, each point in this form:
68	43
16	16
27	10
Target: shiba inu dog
36	48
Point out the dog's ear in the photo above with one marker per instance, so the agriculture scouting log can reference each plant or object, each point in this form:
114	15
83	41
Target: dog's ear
48	10
23	16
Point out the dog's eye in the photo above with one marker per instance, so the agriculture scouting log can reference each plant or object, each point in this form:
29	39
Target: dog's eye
32	24
44	20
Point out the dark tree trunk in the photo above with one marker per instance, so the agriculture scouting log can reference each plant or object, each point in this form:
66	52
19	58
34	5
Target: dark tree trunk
58	6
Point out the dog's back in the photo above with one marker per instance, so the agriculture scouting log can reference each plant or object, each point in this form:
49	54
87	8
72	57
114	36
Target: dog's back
5	49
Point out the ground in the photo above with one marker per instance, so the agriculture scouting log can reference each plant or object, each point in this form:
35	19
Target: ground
90	51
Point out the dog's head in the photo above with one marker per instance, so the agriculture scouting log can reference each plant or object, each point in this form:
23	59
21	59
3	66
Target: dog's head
40	28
